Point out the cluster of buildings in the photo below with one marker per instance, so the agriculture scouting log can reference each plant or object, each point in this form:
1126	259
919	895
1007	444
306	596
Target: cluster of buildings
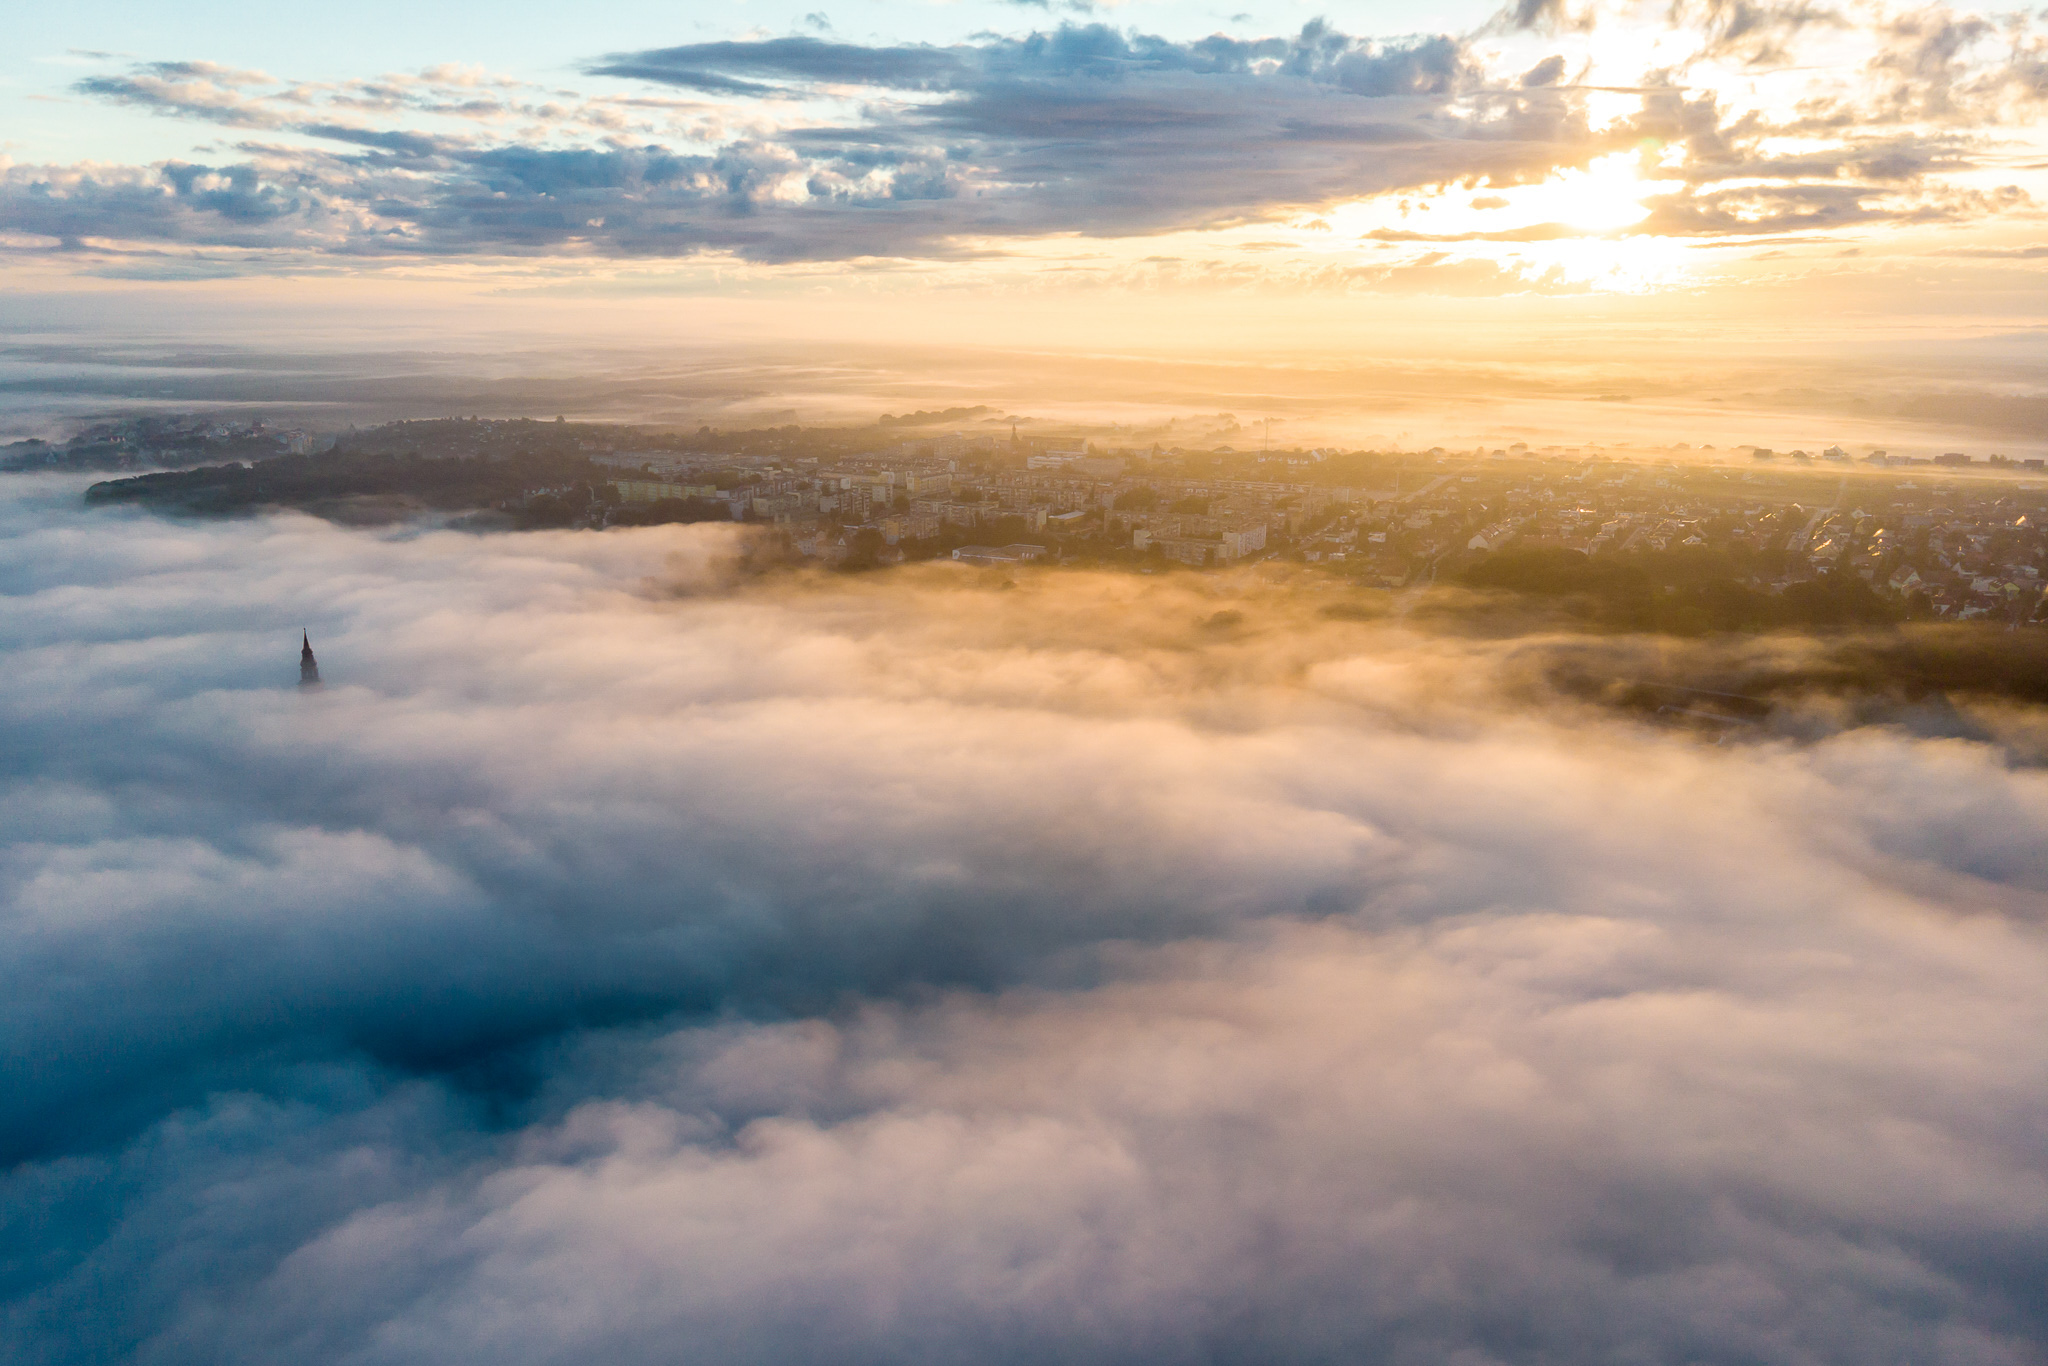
1069	495
1961	537
160	441
1963	546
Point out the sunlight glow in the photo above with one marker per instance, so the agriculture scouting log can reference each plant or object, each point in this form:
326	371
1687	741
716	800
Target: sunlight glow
1606	196
1628	265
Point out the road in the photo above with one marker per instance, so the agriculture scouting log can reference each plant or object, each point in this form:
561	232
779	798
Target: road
1804	536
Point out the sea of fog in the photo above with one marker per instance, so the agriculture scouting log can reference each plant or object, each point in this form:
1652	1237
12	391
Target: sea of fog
627	957
1600	391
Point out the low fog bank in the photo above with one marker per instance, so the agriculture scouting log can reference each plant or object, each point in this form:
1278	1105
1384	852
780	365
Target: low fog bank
1920	397
629	957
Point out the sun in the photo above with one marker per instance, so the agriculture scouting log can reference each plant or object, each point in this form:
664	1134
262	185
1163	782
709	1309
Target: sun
1607	196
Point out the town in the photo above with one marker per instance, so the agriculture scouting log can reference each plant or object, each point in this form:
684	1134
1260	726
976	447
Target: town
1943	537
157	442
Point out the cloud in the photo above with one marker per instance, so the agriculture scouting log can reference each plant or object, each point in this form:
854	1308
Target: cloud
1997	253
1082	128
801	59
1535	232
1759	33
812	148
190	90
626	951
1807	208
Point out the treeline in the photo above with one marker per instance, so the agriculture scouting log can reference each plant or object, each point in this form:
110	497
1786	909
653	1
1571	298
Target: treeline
308	480
662	511
1919	663
1678	592
95	452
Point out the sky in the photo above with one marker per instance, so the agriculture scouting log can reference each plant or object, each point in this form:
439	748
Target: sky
630	957
1758	212
1725	168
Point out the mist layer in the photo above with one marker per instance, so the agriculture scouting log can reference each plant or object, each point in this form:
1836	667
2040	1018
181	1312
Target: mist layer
629	957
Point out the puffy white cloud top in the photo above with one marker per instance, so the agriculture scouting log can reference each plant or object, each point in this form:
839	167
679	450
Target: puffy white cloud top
626	958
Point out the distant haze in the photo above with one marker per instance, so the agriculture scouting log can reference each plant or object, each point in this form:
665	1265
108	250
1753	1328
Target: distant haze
1617	379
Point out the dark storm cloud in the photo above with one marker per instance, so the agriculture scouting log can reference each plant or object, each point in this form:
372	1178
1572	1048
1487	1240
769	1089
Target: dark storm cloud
625	957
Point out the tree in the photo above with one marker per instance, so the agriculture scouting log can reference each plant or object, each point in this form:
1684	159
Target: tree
862	548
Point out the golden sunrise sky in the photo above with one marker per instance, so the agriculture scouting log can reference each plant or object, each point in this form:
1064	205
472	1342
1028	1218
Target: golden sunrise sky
1679	190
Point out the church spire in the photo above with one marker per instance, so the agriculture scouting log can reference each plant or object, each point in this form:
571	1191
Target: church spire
309	668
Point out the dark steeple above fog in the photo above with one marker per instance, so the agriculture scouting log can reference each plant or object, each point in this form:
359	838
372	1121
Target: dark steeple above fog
309	668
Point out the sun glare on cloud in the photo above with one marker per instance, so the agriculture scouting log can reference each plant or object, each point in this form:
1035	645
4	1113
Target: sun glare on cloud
1570	228
1629	265
1608	195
